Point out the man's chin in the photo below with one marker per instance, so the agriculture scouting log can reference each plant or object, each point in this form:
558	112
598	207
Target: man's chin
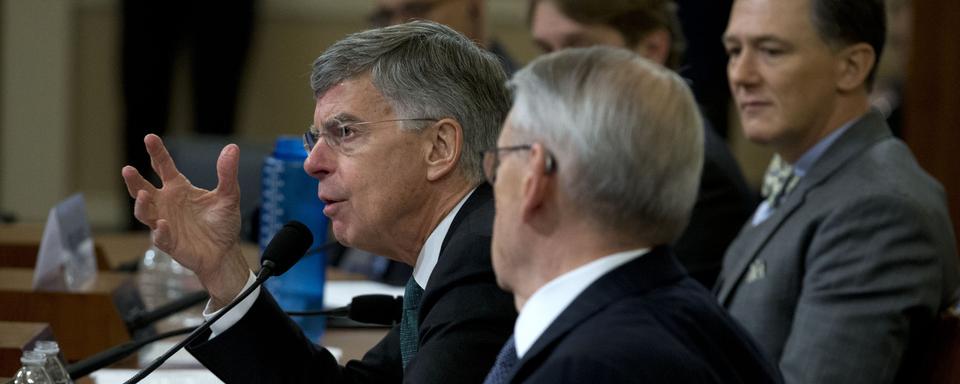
340	233
757	134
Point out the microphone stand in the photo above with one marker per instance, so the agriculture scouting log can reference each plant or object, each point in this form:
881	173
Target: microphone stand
265	272
95	362
145	318
86	366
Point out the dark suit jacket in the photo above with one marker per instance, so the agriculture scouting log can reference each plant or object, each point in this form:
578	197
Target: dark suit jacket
645	322
851	269
723	204
464	319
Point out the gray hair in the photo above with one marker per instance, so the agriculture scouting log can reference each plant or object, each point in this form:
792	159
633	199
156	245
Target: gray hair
426	70
626	133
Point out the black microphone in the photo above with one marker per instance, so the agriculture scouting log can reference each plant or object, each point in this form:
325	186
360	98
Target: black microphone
377	309
284	250
142	319
369	309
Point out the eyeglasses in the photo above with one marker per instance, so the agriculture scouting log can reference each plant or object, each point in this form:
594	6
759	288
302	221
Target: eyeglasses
340	135
383	16
491	160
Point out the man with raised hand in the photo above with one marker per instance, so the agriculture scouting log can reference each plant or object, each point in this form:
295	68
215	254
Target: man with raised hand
401	116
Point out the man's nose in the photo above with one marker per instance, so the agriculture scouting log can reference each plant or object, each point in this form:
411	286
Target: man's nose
742	69
320	162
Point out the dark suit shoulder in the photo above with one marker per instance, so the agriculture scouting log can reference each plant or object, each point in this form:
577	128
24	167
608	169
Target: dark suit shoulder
675	333
724	203
464	317
647	315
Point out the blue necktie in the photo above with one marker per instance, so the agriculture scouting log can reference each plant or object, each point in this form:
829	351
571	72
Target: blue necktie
503	367
408	324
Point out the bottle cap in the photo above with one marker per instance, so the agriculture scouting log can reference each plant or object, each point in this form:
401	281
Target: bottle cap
47	347
32	357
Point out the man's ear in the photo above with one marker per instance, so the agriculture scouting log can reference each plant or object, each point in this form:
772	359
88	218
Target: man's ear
443	146
854	64
539	178
655	46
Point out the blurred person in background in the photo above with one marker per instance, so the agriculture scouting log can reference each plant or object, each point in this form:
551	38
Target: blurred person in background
468	17
651	29
845	266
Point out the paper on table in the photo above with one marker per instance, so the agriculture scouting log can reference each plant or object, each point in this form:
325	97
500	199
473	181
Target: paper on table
339	293
66	260
161	376
170	376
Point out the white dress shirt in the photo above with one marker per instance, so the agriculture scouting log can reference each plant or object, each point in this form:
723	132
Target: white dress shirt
546	304
430	252
426	261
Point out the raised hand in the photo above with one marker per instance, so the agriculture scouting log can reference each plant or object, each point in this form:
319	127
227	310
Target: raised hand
198	228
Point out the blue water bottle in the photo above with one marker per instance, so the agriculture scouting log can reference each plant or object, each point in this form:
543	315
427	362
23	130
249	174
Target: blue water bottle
288	193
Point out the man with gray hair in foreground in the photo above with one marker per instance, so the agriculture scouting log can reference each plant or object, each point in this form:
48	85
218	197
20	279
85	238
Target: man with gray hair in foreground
401	116
595	171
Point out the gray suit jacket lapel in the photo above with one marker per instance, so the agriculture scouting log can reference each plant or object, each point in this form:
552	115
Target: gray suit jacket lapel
864	133
752	239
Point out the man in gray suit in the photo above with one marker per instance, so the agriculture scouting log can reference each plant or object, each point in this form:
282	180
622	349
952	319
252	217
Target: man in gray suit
843	268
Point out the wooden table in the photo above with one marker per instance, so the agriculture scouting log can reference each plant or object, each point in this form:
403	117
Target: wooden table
354	342
114	248
85	321
124	247
16	337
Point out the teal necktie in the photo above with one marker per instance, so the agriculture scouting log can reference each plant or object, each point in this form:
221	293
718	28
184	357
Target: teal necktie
408	324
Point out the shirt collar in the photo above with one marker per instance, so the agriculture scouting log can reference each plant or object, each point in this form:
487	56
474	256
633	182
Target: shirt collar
546	304
810	157
430	252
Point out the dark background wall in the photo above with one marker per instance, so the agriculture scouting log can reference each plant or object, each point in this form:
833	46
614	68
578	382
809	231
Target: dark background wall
932	109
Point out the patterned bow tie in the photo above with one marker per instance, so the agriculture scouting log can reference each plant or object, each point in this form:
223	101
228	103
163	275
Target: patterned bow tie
778	181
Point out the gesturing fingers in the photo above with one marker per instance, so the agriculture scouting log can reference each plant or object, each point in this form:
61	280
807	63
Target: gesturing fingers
227	165
161	235
144	209
160	159
134	181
